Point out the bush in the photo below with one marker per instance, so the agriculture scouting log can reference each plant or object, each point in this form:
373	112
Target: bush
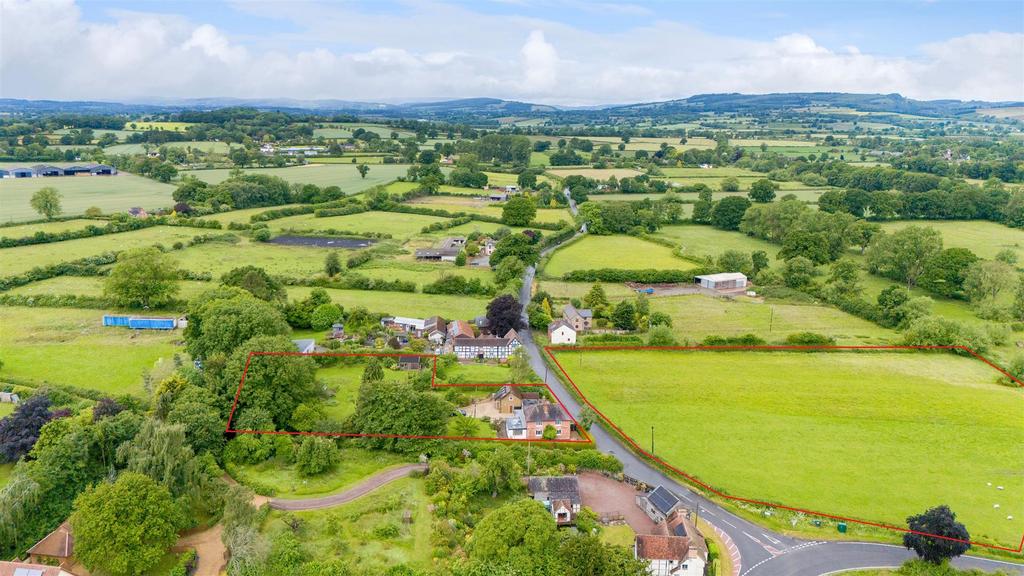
261	235
358	259
809	339
650	276
744	340
316	455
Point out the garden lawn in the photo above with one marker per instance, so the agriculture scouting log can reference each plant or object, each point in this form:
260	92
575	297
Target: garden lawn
404	303
694	317
20	259
344	176
872	435
369	530
70	346
618	535
108	193
344	382
24	230
400	226
286	482
986	239
624	252
475	373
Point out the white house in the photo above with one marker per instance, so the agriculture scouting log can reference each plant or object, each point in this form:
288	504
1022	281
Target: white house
670	555
723	281
561	332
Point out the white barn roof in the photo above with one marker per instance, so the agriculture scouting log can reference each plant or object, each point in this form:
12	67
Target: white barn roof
723	276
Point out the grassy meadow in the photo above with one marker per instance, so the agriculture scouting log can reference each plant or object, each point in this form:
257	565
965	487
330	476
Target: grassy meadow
108	193
209	147
344	176
286	482
70	346
877	435
986	239
401	226
23	230
612	252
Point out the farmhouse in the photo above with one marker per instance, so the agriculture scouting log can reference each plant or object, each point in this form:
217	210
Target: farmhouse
559	494
486	347
532	419
722	281
659	504
580	320
561	332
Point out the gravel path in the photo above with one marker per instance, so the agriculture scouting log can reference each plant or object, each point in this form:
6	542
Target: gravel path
361	489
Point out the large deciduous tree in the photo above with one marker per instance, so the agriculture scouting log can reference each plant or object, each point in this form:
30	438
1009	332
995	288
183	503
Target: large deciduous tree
762	191
126	527
143	277
727	213
222	319
504	313
398	408
46	201
938	521
257	282
277	382
20	430
903	254
519	211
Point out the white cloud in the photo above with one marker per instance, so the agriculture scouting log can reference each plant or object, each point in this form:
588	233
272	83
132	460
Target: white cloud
540	64
439	50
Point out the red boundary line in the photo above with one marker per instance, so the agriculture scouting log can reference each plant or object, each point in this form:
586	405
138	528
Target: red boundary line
433	384
552	349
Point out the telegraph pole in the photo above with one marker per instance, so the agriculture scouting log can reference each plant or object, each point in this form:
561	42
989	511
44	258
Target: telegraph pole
652	439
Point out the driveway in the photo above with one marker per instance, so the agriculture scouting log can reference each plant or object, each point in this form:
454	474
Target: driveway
363	488
610	498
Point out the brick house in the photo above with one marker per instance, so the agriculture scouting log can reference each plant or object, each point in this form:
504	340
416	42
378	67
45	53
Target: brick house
581	319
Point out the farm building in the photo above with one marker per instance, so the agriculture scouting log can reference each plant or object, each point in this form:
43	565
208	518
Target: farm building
722	281
561	332
442	254
21	173
141	323
47	170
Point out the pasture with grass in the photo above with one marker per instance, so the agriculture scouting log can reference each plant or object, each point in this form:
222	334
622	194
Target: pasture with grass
624	252
882	428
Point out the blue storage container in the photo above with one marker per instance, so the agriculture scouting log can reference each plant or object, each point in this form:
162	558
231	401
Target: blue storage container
151	323
112	320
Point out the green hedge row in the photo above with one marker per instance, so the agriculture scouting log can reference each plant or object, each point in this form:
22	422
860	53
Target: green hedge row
649	275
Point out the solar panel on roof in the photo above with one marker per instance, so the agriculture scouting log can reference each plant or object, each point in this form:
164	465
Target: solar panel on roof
28	572
663	500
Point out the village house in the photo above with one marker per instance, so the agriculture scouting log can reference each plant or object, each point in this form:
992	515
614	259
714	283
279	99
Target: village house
561	332
659	504
138	212
723	281
530	421
682	552
559	494
9	398
581	320
486	347
508	399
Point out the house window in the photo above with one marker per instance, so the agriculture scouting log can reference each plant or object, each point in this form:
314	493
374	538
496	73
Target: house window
538	432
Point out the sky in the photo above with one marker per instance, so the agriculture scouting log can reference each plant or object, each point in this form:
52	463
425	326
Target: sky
561	52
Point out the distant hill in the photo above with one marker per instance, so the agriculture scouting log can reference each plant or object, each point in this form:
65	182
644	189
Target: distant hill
467	109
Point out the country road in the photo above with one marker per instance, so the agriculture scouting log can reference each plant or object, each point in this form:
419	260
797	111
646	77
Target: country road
756	551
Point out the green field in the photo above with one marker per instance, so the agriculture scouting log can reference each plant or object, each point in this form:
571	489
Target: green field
354	530
23	230
612	252
699	241
138	125
985	239
70	346
344	176
220	257
486	208
565	290
23	258
694	317
596	173
404	303
209	147
93	286
331	131
108	193
244	216
402	226
877	435
5	409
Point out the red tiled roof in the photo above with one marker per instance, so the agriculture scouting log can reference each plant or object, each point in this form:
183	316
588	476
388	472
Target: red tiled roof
658	547
57	544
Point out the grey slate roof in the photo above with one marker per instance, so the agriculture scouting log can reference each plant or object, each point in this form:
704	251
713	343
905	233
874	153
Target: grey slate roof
663	500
